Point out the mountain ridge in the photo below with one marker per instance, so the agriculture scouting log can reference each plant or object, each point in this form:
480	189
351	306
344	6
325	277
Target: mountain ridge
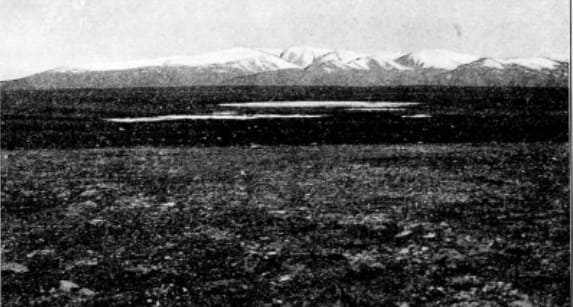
304	65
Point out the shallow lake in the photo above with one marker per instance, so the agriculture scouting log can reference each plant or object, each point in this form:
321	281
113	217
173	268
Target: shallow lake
320	104
213	116
289	110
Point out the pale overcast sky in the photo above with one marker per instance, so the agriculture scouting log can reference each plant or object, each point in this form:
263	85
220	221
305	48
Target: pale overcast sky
41	34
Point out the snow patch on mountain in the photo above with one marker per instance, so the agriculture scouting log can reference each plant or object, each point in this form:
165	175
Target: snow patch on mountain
343	59
437	58
303	56
240	58
388	63
340	59
536	63
491	63
363	63
485	62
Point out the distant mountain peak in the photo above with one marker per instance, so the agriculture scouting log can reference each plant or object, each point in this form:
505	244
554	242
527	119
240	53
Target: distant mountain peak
303	56
536	63
491	63
233	55
339	60
436	58
485	62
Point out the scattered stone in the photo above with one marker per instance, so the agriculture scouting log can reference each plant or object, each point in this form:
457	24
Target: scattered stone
133	202
466	282
430	235
79	208
82	262
448	254
96	222
222	283
285	278
521	303
108	186
169	245
476	303
86	292
64	195
168	204
87	262
403	234
41	252
87	205
215	233
404	251
416	227
235	203
13	267
143	269
68	286
89	193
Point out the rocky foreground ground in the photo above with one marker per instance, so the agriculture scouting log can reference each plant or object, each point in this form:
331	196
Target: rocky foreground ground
400	225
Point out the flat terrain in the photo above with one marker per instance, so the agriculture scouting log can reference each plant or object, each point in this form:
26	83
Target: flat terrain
76	118
342	225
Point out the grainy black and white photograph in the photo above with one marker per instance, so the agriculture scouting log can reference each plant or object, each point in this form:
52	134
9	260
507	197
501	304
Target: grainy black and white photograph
291	153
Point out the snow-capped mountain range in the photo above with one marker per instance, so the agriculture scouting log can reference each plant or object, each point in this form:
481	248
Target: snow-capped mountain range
303	65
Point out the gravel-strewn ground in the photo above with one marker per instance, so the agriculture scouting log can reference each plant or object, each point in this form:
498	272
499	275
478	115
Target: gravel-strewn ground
384	225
